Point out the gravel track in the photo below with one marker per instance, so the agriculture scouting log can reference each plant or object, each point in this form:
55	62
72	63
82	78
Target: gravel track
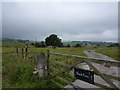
93	54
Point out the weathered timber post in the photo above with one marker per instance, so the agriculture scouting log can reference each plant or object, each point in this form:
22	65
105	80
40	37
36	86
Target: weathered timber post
26	50
42	65
17	50
48	56
22	52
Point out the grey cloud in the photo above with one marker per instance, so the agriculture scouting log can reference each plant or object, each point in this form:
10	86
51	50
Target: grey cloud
71	21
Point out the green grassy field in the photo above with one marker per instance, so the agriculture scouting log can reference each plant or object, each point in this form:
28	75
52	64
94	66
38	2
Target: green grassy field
14	44
112	52
17	72
0	65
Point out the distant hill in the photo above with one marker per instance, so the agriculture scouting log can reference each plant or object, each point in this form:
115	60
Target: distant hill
71	43
13	40
89	43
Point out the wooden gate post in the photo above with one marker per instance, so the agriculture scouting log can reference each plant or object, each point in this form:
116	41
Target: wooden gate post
42	65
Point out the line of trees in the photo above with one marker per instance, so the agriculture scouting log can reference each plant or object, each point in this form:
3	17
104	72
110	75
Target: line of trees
77	45
42	44
54	41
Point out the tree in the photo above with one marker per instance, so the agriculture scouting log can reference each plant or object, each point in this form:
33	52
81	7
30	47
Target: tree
68	45
42	43
77	45
53	40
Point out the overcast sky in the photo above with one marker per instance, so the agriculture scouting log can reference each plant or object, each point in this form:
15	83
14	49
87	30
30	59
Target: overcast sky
88	21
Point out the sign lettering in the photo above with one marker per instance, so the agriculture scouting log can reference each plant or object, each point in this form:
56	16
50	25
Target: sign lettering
85	75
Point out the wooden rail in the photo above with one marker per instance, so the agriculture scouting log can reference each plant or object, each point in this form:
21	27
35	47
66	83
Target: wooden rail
106	77
67	66
96	60
67	82
61	64
45	66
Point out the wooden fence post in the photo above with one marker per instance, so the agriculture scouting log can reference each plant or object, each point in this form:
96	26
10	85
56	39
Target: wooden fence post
42	65
48	56
17	50
22	52
26	50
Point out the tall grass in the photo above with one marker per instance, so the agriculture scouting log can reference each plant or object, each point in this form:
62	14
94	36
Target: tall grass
18	72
